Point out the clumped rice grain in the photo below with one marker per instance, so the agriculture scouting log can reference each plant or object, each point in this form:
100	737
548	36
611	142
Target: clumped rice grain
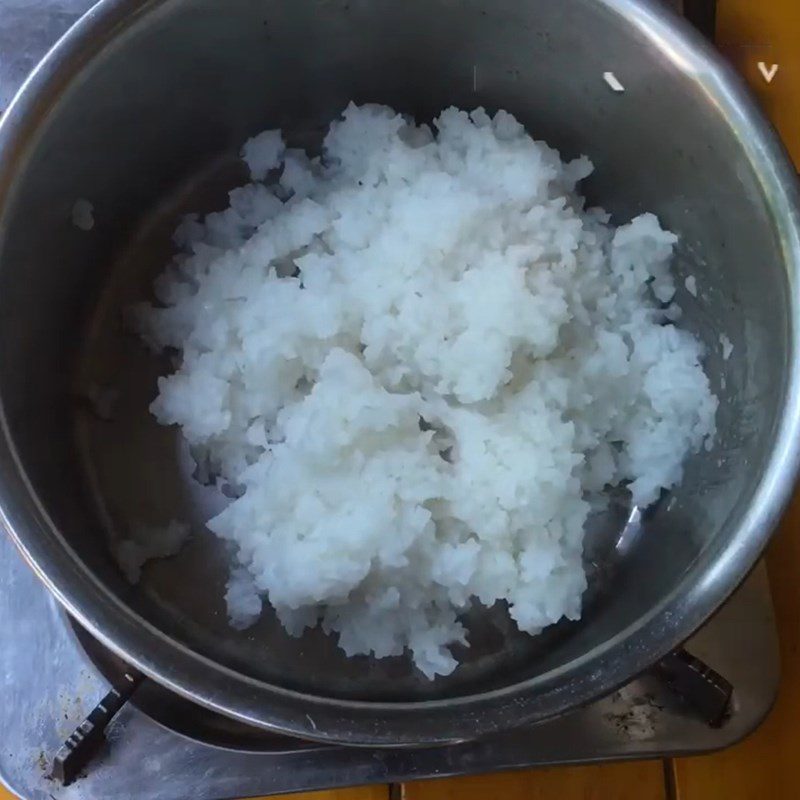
414	361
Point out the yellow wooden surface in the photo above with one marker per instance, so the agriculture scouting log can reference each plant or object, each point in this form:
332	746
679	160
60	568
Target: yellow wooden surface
359	793
641	780
767	31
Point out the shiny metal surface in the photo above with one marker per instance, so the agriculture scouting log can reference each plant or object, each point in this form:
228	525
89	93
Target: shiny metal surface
138	111
48	685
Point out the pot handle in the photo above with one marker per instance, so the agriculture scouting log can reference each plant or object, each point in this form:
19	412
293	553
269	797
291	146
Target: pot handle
701	687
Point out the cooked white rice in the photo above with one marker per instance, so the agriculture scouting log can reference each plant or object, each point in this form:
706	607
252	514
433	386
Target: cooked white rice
147	542
416	360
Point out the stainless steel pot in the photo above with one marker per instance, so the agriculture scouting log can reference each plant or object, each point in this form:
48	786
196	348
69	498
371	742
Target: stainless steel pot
139	111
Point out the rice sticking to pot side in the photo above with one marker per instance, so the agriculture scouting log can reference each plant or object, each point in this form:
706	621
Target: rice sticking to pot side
413	362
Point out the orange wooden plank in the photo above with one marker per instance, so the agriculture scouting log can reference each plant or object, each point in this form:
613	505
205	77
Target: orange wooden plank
641	780
379	792
359	793
749	32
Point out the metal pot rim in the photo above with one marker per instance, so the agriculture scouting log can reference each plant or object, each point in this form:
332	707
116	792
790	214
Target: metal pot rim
703	588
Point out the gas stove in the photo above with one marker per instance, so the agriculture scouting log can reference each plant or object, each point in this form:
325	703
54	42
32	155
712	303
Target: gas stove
160	747
53	675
